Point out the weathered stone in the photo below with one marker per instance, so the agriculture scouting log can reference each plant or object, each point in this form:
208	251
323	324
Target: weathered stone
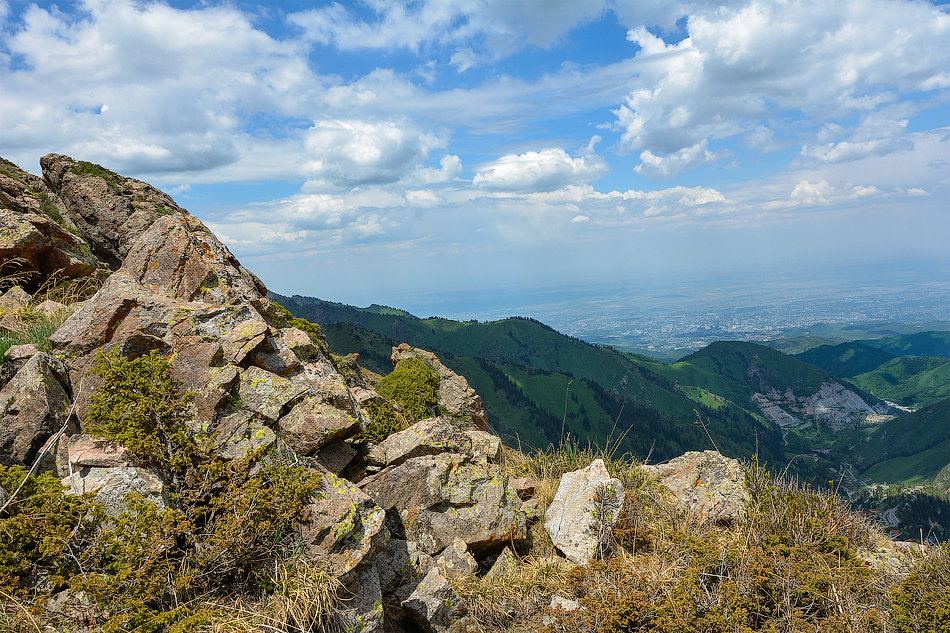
87	451
455	394
240	433
563	605
3	496
342	527
427	437
110	211
33	406
179	258
318	419
50	307
111	486
401	565
711	487
266	393
434	605
485	446
524	486
16	298
437	498
455	560
336	456
300	343
25	351
586	505
505	564
362	609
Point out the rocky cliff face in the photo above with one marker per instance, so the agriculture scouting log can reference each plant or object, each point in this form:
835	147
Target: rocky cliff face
833	405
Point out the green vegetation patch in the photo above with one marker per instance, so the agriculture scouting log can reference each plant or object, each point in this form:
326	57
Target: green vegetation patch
414	386
92	169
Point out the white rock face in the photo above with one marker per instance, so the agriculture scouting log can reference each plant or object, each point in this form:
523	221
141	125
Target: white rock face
833	405
587	501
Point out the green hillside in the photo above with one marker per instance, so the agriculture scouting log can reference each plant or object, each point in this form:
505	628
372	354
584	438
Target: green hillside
911	381
736	370
919	344
540	362
911	449
847	359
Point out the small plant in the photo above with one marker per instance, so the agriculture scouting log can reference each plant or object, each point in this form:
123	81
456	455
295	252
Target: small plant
92	169
414	386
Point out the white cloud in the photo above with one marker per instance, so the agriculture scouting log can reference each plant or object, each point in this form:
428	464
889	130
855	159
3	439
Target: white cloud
144	87
659	167
742	67
545	170
580	218
499	26
450	168
348	153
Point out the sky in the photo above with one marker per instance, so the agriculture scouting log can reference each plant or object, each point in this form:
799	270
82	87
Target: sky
375	151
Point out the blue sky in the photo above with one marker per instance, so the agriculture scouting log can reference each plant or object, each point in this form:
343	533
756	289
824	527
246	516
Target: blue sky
377	151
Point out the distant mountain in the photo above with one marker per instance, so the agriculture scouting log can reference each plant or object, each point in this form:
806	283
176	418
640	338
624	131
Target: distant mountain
913	448
910	381
920	344
514	358
846	359
788	391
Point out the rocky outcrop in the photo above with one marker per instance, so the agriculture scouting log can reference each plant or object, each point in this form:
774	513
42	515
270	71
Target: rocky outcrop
709	486
35	239
456	396
111	211
112	485
833	405
33	406
587	504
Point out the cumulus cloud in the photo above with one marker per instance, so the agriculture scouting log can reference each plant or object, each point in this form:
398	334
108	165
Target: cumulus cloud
659	167
450	168
144	87
544	170
347	153
743	66
498	26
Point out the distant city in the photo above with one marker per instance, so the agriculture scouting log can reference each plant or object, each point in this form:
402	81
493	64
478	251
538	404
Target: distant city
661	318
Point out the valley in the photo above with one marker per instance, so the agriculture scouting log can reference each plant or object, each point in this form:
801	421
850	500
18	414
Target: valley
870	416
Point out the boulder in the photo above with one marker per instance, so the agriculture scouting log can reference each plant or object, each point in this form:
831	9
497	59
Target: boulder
505	564
587	504
33	406
455	560
336	456
427	437
362	608
455	394
318	419
401	565
438	498
265	393
433	604
16	298
342	527
111	486
240	433
86	451
709	486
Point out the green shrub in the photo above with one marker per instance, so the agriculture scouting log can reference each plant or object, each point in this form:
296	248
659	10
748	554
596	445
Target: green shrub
384	420
414	386
922	601
92	169
150	569
35	531
141	407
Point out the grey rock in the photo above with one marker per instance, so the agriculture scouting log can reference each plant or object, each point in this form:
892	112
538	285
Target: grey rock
336	456
111	486
325	414
708	485
586	505
427	437
437	498
33	406
434	605
342	527
456	561
505	564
